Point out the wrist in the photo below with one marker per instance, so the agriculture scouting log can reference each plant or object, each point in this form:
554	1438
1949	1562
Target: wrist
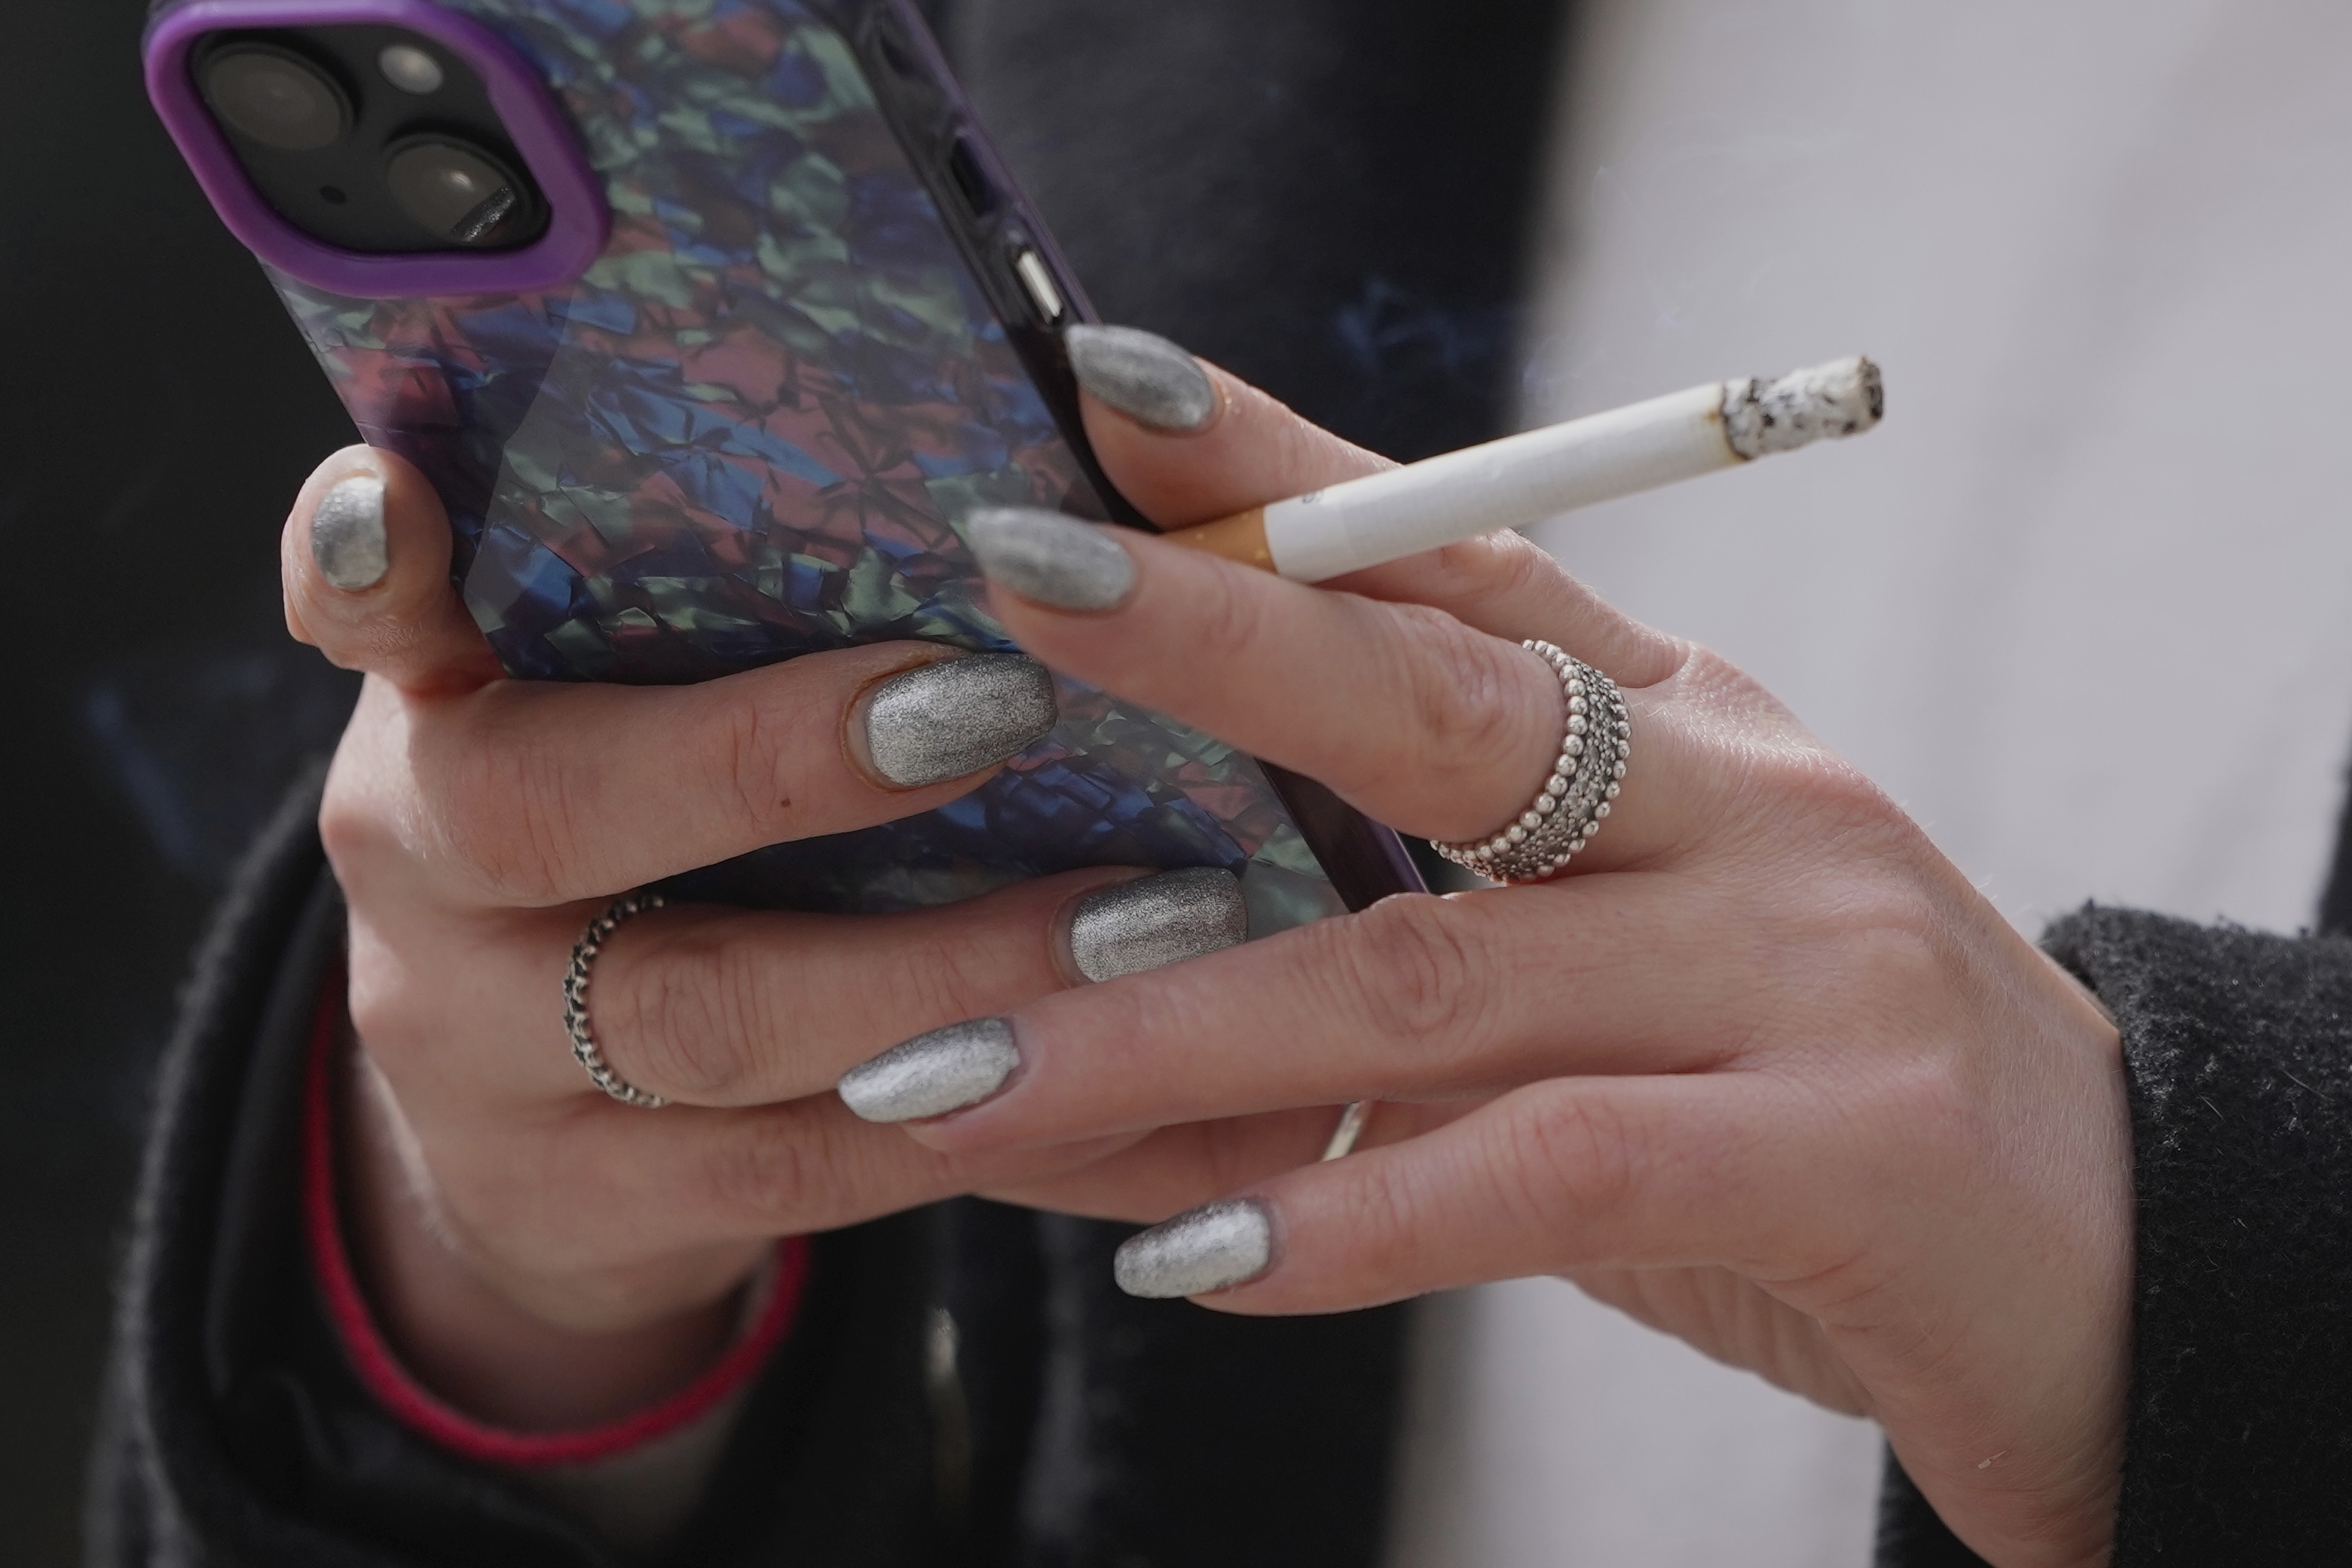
478	1343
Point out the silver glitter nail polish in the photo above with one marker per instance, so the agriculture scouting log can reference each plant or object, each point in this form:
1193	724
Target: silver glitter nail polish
1049	558
1211	1248
347	534
956	716
1142	375
1155	920
933	1074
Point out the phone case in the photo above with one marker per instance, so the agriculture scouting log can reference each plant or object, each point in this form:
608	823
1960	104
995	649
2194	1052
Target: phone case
746	431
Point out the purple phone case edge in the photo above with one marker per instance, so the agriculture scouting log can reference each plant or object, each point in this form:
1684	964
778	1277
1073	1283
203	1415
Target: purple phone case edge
1364	860
579	223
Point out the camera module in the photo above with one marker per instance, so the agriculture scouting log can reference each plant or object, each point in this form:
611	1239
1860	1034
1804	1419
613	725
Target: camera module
277	98
460	192
374	139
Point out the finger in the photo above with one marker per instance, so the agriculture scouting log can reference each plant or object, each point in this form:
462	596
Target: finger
597	1189
1505	586
522	793
1179	1167
708	1005
1412	717
364	559
1188	443
1416	998
601	1189
1571	1174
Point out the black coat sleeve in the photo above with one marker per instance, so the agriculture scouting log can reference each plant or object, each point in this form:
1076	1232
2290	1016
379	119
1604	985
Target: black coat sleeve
2238	1048
963	1384
232	1431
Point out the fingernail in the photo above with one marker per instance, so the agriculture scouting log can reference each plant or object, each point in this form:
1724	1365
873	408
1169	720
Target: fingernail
1155	920
1211	1247
1054	559
933	1074
1144	376
347	535
955	717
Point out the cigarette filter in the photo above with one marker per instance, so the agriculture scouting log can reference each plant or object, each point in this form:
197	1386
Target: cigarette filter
1523	480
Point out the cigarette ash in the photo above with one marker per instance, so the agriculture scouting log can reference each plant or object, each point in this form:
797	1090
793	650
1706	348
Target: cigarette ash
1843	398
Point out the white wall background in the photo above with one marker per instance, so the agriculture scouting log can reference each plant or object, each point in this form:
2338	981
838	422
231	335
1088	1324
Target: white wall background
2084	604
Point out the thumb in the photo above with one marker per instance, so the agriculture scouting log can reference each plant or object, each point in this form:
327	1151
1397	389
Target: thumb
365	564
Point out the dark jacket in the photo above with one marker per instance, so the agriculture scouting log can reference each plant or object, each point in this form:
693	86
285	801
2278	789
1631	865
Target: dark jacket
1072	1424
1270	186
1078	1426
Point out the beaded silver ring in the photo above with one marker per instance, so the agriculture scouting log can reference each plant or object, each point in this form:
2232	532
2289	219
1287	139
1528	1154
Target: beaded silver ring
1569	810
575	1000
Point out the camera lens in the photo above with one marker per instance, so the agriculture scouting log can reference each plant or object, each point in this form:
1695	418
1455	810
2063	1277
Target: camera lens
459	191
277	98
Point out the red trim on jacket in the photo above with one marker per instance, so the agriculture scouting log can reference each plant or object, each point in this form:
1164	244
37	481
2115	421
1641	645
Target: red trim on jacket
424	1413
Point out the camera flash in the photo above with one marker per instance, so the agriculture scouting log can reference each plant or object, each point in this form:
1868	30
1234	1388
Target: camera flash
410	69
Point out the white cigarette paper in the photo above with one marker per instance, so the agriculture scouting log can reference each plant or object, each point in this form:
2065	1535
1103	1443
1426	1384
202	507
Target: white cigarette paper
1523	480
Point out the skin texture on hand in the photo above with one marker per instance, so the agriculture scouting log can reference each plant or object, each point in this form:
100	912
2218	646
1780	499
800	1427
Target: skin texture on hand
542	1256
1763	1071
539	1255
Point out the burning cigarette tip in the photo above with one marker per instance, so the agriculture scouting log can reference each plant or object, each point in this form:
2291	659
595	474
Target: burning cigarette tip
1842	398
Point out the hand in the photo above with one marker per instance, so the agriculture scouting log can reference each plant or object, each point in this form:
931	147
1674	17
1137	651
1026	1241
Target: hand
542	1255
1762	1070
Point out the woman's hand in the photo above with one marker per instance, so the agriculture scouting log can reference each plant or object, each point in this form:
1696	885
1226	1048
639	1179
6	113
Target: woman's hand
542	1255
1763	1069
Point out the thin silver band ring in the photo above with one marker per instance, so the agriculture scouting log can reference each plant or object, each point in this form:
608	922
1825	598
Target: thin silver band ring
575	1000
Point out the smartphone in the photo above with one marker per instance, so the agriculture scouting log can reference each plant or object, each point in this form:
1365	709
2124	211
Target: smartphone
709	319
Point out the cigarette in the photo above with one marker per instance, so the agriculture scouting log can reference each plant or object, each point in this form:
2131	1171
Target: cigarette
1523	480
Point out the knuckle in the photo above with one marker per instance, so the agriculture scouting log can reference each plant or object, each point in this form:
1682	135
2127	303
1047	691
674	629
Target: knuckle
1934	1106
1229	617
346	827
1903	946
1565	1151
1502	571
946	978
505	811
1415	971
352	832
747	766
1507	566
679	1012
1472	698
1845	797
1804	793
400	1022
1724	699
1383	1219
779	1172
1707	677
359	824
383	1013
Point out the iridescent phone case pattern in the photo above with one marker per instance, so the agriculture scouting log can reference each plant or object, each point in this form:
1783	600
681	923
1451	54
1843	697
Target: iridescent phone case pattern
747	432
